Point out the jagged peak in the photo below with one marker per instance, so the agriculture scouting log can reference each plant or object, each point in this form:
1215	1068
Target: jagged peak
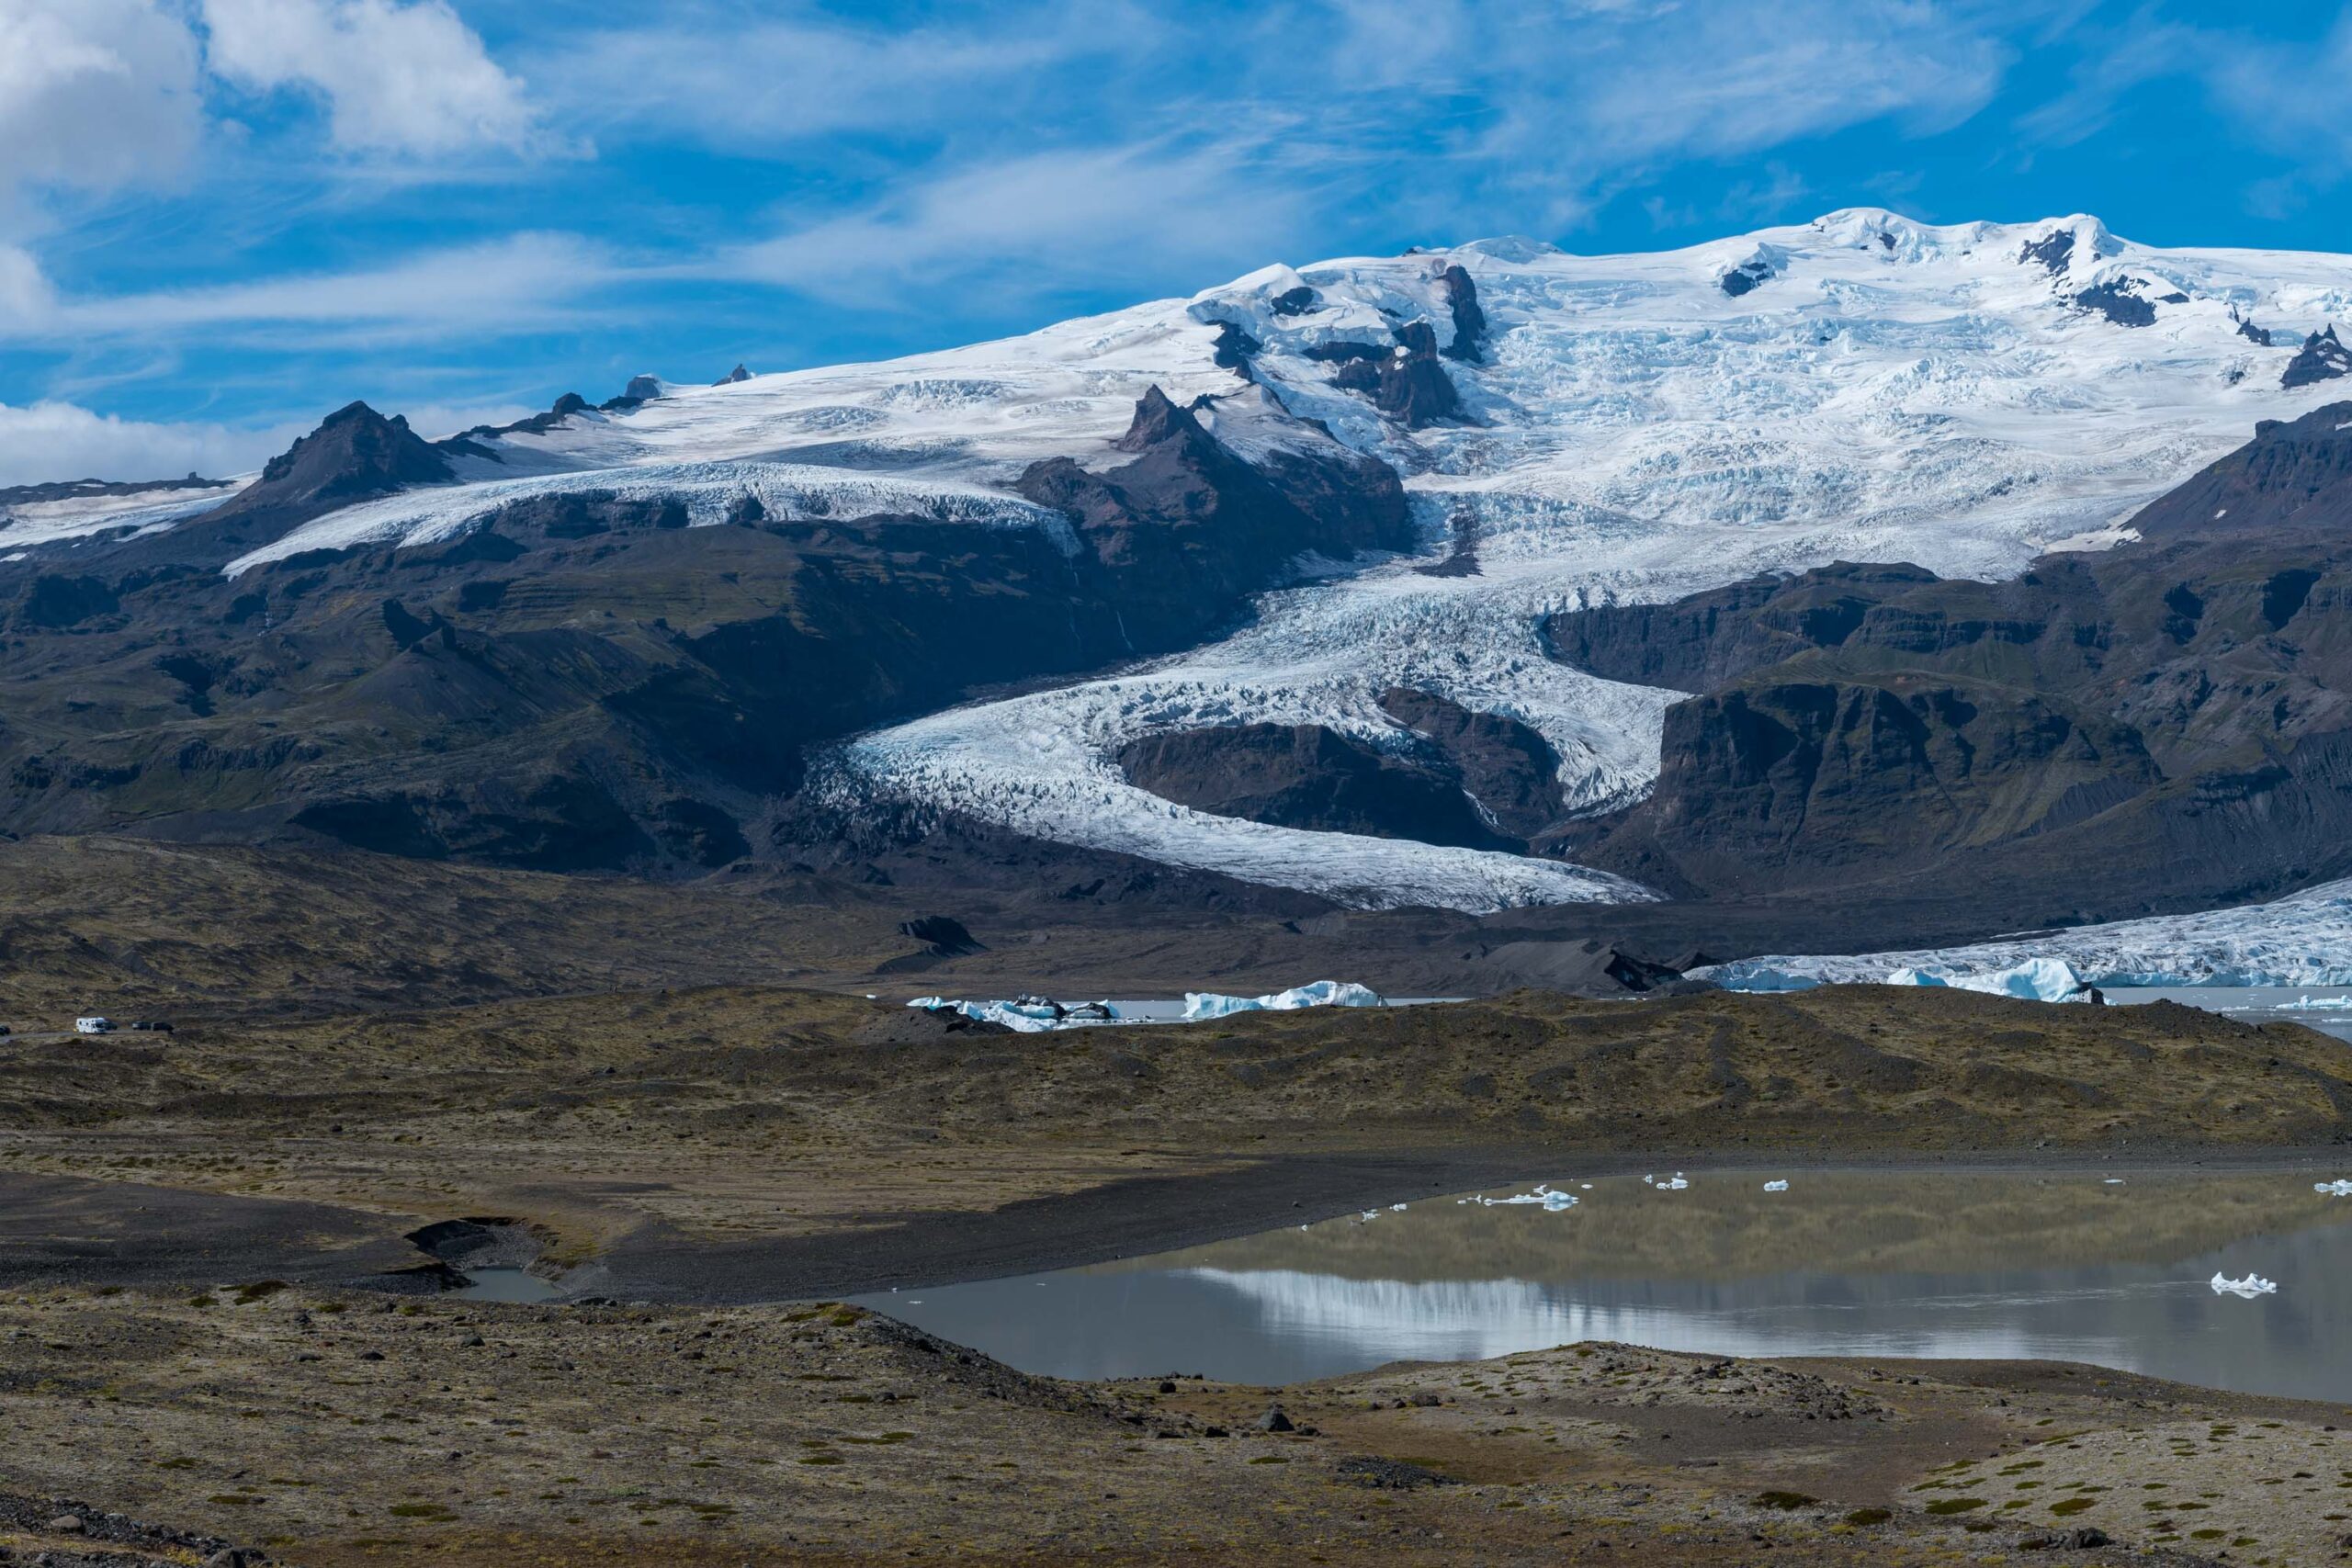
1157	419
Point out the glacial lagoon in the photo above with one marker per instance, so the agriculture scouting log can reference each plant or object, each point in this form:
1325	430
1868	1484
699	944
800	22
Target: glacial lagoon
2114	1267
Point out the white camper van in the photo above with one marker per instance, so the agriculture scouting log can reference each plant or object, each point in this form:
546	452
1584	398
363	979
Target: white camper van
94	1026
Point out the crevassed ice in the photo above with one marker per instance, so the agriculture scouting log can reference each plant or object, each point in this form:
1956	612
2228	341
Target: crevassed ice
2304	939
1896	391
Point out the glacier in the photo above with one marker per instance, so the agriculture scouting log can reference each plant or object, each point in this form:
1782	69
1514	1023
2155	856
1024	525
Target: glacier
1633	430
1892	390
2304	939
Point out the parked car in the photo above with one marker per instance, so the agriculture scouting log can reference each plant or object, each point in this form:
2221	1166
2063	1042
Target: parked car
157	1027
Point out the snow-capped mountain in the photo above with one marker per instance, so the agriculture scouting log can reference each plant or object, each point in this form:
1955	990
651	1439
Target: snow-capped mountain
1638	428
1570	431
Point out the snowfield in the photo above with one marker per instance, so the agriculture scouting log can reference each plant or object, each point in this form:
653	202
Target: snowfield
26	524
1961	397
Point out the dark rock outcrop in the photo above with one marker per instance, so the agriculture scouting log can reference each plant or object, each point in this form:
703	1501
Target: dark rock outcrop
730	378
583	681
1469	344
1234	349
1477	780
1308	776
1409	384
2120	301
2175	711
76	490
355	454
2321	358
470	441
2054	253
1295	301
941	936
1508	770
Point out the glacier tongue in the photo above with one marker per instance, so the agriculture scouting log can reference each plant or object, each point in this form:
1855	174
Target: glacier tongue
2302	940
1888	391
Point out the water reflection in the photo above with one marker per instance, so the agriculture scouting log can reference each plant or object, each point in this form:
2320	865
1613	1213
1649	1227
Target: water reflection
1846	1263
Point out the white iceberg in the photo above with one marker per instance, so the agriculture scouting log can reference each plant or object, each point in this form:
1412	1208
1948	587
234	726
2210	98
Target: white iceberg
2253	1285
1199	1005
2312	1004
2036	979
1026	1015
1776	1186
2334	1189
1551	1201
1676	1185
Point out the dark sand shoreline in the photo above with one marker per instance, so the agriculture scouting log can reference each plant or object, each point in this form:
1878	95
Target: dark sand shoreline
70	1230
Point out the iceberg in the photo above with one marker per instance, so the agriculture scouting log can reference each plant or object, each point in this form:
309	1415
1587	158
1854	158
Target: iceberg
2313	1004
1776	1186
2333	1188
1025	1015
2036	979
2253	1285
1551	1201
1199	1005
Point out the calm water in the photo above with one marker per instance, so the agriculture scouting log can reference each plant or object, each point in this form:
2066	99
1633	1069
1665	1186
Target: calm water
507	1285
2327	1009
1843	1263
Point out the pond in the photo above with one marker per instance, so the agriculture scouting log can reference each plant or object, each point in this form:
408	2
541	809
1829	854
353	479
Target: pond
2081	1266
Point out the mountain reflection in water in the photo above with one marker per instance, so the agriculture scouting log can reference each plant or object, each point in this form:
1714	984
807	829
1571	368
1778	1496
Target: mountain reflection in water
2062	1267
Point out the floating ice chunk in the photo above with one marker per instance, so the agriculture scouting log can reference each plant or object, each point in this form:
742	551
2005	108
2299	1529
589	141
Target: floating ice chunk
1776	1186
1676	1185
2112	1181
1199	1005
1025	1015
2253	1285
1588	1186
2334	1189
1546	1196
1395	1208
2036	979
1371	1214
2313	1004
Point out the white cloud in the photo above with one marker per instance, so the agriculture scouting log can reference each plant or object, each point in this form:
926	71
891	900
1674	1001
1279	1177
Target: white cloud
26	300
63	441
95	93
396	78
744	78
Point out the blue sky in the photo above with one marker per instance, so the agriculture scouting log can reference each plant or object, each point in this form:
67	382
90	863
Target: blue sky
220	218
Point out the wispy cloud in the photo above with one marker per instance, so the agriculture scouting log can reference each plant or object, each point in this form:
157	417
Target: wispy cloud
518	283
744	78
1037	224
